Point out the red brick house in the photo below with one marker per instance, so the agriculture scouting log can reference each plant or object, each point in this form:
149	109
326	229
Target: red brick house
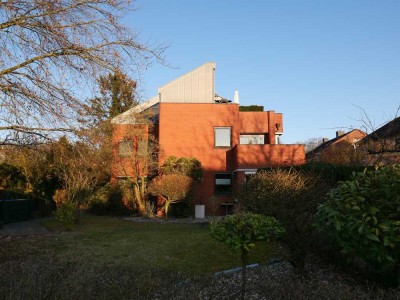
191	120
382	147
341	150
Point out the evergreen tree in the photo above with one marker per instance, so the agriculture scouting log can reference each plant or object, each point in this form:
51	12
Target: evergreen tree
118	92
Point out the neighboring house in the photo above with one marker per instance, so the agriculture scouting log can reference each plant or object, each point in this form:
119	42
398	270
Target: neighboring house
382	147
342	150
191	120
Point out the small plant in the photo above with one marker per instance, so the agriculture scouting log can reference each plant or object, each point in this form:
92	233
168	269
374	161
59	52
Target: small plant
362	218
66	215
241	231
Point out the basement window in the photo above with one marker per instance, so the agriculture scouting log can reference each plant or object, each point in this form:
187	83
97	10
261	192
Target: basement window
125	148
222	136
223	184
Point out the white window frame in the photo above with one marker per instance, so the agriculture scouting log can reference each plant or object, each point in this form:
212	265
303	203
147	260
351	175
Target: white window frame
217	143
252	139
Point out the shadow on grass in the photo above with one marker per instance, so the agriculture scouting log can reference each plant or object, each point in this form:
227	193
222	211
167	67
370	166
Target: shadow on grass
99	241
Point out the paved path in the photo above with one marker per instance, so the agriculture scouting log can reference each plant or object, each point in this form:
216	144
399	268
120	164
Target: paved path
23	228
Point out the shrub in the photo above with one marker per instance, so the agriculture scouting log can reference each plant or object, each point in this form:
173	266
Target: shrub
241	231
362	217
66	215
11	178
174	188
184	166
251	108
327	172
113	200
292	196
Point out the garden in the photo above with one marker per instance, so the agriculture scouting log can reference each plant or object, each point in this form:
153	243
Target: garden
314	231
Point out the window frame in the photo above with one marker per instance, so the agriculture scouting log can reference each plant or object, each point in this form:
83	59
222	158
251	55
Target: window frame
223	193
119	148
230	136
258	136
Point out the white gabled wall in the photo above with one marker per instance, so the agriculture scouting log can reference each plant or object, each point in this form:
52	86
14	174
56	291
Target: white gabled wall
197	86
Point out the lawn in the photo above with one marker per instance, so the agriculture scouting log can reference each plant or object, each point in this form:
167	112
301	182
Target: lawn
105	241
109	258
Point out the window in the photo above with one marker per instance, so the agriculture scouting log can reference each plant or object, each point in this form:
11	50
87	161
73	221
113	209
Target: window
222	136
249	174
223	185
246	139
125	148
142	149
277	139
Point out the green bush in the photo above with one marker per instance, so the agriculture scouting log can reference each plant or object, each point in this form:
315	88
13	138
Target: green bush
112	200
251	108
291	196
66	215
12	182
184	166
362	216
241	231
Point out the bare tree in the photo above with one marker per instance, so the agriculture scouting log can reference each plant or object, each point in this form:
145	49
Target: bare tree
52	52
381	145
311	143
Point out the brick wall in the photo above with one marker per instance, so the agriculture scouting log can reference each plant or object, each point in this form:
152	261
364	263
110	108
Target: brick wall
187	130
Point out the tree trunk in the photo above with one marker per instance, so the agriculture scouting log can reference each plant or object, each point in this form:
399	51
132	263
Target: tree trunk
139	188
167	206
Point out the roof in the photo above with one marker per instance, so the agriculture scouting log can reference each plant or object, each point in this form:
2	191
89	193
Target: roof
389	130
335	140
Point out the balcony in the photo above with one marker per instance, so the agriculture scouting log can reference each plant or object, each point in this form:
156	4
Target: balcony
267	155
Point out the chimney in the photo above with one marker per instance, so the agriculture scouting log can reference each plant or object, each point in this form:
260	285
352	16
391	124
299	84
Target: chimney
236	97
339	133
324	140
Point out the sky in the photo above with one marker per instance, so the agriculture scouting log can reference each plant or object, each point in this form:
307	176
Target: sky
326	65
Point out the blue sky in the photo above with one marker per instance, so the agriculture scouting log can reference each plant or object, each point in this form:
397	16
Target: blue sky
317	62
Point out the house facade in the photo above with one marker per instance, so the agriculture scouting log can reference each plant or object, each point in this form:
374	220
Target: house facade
342	150
190	120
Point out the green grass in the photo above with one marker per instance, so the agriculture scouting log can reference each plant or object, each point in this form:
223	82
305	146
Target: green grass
105	241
